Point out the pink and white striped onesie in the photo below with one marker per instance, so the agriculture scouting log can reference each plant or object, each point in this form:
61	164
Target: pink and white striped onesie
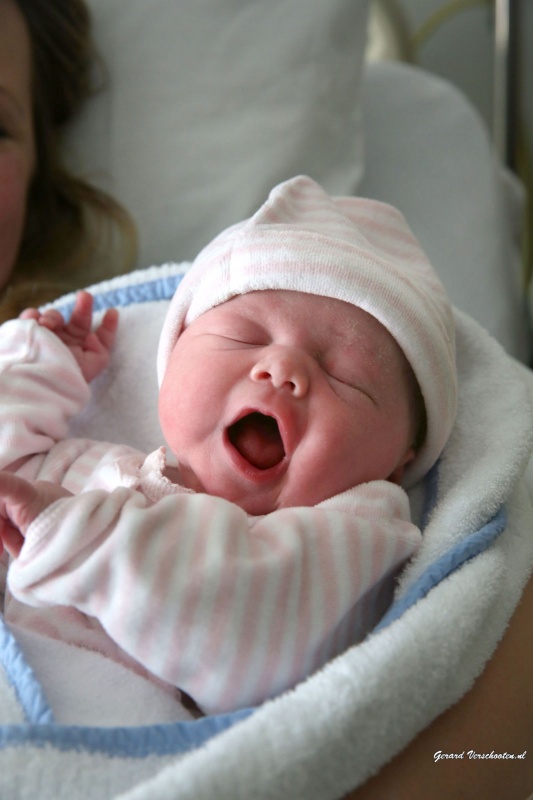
183	587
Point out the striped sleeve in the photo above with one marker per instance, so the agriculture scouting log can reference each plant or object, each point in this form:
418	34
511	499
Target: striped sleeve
231	609
41	389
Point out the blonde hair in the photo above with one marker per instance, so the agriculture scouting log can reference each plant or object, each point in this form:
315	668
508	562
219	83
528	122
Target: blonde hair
75	233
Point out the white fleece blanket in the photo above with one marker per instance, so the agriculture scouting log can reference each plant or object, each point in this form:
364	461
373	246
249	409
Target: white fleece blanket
340	726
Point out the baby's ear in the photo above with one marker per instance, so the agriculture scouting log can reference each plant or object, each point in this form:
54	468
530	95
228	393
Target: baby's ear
396	475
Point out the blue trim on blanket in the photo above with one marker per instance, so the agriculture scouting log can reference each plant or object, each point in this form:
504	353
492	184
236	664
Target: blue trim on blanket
162	288
180	737
465	550
21	677
128	742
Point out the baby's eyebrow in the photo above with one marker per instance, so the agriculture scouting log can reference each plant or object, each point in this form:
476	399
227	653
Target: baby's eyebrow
334	335
240	318
352	339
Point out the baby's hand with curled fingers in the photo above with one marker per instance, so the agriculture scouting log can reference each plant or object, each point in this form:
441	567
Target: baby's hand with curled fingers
91	349
21	502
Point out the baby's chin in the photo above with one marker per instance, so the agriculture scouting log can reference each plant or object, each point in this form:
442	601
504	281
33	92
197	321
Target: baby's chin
257	504
253	504
255	500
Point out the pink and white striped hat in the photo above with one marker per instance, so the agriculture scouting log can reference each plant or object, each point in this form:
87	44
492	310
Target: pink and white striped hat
350	248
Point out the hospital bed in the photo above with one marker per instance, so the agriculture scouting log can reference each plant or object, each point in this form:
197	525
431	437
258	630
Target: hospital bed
208	104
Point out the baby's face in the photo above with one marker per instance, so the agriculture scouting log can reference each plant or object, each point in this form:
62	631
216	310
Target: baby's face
279	398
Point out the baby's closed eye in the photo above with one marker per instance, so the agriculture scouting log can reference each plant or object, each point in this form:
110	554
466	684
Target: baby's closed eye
346	382
245	333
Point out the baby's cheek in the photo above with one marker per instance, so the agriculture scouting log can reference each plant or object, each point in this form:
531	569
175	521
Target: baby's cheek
167	419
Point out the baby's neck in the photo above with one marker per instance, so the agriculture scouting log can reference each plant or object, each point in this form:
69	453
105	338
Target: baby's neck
174	475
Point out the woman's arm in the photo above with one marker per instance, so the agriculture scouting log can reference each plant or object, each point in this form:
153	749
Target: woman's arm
496	715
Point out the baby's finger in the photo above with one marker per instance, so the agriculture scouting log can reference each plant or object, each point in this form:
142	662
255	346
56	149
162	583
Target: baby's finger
12	539
14	489
30	313
107	330
82	313
51	319
23	501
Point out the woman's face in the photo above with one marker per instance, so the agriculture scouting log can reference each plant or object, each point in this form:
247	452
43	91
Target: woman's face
17	146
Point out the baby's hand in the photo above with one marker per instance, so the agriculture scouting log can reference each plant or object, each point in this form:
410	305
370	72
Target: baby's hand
20	503
91	349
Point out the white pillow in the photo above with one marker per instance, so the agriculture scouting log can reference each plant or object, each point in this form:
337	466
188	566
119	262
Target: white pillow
210	103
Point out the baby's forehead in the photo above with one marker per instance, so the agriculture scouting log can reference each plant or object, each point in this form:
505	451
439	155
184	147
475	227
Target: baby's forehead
272	300
334	317
291	302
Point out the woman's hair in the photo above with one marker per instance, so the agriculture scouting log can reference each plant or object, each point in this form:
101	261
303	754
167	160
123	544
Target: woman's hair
74	232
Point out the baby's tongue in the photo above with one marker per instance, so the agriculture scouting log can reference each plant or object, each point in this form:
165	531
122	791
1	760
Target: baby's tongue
257	439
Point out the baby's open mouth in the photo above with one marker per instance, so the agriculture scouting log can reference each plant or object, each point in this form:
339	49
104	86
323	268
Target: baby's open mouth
257	438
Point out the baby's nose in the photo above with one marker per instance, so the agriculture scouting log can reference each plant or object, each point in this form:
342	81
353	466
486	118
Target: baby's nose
285	368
